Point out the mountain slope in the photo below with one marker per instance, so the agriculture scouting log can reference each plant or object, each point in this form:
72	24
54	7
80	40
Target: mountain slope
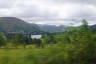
12	24
53	28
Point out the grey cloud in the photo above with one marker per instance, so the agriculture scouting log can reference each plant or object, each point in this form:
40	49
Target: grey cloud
74	1
29	12
35	11
6	3
84	13
26	11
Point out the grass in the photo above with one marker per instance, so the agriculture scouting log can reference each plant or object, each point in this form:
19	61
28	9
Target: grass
28	55
54	54
16	56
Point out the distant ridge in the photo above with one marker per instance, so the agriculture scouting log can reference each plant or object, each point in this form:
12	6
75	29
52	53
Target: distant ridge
53	28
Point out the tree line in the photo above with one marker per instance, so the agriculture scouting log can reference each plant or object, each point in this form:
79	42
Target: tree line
71	35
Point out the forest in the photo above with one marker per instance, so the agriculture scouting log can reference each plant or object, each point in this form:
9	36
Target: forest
76	45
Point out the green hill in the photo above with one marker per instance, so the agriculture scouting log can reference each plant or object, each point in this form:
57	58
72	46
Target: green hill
13	24
53	28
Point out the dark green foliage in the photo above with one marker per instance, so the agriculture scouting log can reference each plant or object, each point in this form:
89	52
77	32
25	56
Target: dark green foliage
20	39
50	39
38	42
2	40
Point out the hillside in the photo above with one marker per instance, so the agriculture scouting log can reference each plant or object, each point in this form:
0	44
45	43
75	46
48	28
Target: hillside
12	24
93	27
53	28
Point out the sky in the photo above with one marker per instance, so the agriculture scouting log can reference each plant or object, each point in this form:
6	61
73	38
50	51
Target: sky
57	12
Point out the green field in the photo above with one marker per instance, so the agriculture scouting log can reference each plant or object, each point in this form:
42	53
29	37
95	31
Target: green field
54	54
21	56
49	55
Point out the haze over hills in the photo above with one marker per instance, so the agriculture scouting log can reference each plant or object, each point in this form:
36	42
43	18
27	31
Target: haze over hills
13	24
53	28
93	27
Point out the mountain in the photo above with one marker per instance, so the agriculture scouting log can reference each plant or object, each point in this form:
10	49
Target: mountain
13	24
53	28
93	27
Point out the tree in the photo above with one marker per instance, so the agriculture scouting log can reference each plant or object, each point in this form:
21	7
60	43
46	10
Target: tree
38	42
20	39
15	40
25	41
2	40
84	42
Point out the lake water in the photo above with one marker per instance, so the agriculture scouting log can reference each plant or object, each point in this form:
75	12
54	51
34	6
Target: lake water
36	36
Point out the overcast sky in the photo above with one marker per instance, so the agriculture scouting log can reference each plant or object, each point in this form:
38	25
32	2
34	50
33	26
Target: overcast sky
66	12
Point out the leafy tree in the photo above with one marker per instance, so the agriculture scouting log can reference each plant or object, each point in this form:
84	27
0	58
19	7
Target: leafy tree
26	41
20	39
38	42
2	40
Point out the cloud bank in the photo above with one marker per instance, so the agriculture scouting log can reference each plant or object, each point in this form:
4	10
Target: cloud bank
56	12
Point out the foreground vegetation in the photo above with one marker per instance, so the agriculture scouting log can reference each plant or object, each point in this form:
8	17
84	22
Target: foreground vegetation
75	46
